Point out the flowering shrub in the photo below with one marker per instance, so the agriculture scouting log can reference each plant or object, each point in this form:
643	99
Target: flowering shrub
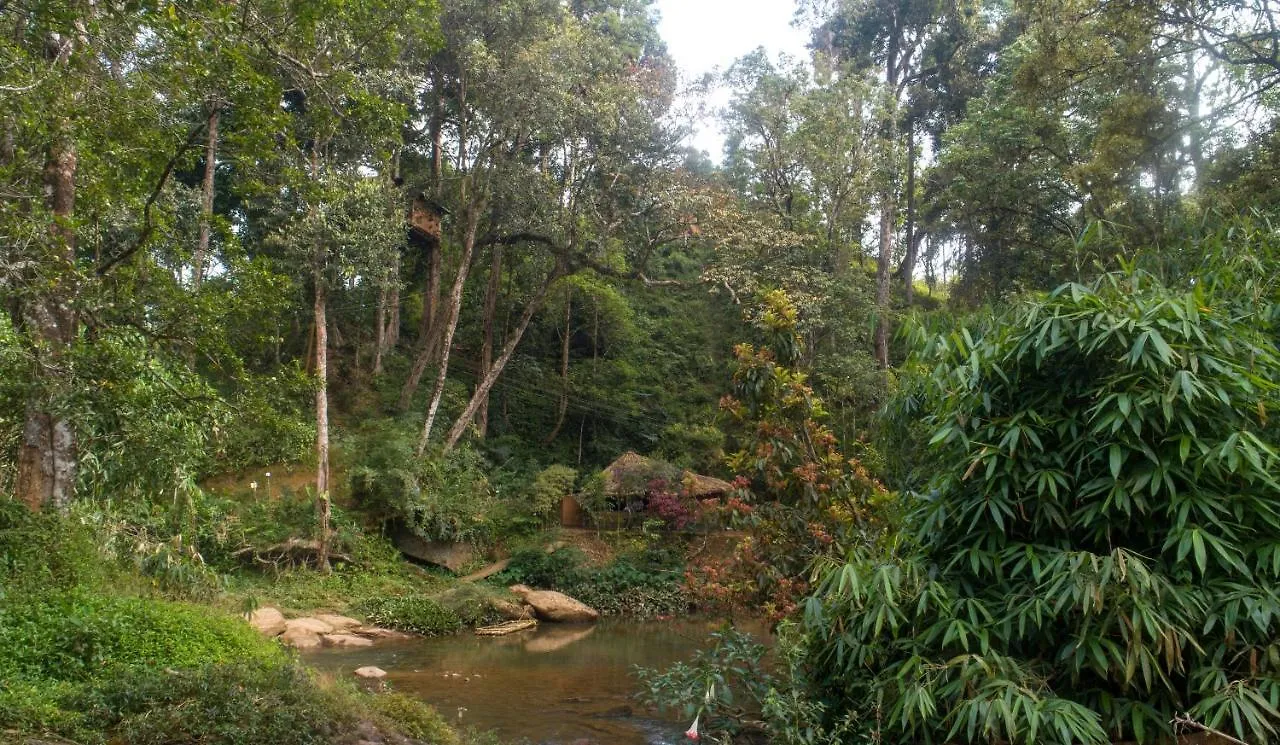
797	495
674	507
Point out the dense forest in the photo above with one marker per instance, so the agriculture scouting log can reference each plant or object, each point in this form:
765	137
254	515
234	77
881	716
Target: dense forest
977	313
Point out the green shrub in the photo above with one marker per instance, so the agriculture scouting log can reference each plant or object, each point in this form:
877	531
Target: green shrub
643	585
36	706
413	718
442	498
541	570
1098	551
472	603
41	552
217	704
74	635
551	485
419	615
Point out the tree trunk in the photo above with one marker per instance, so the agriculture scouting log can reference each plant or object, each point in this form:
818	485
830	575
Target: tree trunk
391	336
909	261
206	195
455	308
429	330
493	373
47	458
887	217
380	331
437	137
486	348
888	207
430	293
564	370
322	407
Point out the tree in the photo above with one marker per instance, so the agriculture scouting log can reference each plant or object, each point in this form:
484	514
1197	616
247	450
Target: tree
1101	516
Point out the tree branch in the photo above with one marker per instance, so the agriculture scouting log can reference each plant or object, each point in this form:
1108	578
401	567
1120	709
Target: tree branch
147	226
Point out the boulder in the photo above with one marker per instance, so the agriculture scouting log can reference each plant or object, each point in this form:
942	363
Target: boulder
268	621
310	625
451	556
346	640
300	638
339	623
369	672
373	632
549	605
509	610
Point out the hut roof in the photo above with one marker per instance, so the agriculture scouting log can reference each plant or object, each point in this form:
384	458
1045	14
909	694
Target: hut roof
631	473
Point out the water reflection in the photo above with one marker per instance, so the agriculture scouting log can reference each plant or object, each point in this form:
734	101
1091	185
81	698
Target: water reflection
553	684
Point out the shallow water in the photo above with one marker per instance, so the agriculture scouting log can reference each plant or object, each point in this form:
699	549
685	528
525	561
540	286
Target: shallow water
554	684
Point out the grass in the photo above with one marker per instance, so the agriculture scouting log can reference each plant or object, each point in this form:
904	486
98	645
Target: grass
92	654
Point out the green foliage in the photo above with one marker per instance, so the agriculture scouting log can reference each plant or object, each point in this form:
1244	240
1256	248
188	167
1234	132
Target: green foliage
628	587
269	421
722	685
473	603
219	704
74	635
1096	552
644	584
548	488
420	615
445	498
413	718
698	447
41	552
549	571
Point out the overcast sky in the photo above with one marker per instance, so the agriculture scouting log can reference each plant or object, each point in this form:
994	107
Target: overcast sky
706	34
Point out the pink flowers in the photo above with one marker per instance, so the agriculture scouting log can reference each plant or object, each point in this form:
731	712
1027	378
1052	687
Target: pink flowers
692	732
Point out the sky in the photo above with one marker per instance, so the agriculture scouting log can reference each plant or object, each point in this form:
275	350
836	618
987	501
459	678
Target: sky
705	34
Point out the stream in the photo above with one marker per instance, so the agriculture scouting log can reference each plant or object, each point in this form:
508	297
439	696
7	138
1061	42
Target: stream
557	684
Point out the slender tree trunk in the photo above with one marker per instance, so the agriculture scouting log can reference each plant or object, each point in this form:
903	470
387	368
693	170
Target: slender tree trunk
888	213
493	373
887	216
455	307
430	292
322	407
437	136
206	195
391	335
47	457
564	370
909	261
380	331
486	348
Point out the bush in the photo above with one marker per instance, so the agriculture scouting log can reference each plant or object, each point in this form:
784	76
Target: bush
539	569
42	552
411	613
643	585
624	588
218	704
413	718
74	635
441	498
472	603
548	488
1098	552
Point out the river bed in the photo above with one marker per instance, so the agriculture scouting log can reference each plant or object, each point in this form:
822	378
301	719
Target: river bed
557	684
